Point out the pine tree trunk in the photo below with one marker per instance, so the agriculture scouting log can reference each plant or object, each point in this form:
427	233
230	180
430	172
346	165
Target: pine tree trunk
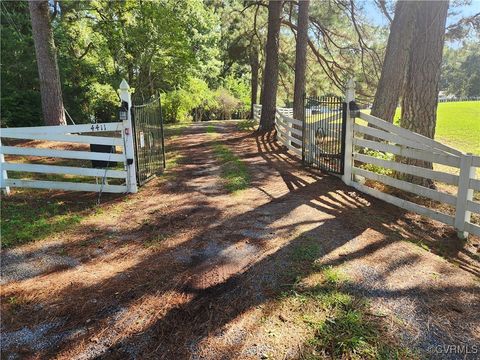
50	88
395	62
270	78
419	106
300	59
254	67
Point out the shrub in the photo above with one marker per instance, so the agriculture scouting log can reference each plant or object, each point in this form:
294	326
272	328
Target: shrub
375	168
226	104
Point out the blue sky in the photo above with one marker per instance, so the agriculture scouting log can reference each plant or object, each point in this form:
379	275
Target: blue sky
373	13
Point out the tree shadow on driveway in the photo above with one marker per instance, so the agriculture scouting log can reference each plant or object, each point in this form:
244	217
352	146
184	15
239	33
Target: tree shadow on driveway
170	302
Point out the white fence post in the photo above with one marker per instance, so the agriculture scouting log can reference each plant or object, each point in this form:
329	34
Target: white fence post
465	194
128	134
349	96
3	175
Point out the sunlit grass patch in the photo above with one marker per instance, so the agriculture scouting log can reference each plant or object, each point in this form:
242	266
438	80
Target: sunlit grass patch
22	223
247	125
341	325
337	322
344	333
173	159
155	241
234	171
348	332
333	276
173	131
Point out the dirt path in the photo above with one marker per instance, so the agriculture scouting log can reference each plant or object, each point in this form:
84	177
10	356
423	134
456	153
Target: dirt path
186	270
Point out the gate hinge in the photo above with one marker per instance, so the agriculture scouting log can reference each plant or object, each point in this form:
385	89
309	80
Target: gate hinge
354	109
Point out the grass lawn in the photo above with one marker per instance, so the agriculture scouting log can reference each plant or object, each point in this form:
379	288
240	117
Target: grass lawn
458	125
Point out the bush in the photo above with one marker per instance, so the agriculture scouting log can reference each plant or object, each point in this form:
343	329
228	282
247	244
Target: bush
379	155
190	102
175	106
196	101
226	104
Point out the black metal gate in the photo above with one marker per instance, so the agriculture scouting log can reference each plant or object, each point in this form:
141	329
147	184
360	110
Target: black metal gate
324	125
149	140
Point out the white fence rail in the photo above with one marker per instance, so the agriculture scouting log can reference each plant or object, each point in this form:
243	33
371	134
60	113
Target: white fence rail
121	138
387	138
65	134
289	131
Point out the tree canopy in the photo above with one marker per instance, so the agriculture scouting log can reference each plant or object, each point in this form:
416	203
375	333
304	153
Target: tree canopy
205	58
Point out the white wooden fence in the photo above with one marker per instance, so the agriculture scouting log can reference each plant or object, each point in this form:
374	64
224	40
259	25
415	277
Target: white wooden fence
287	134
404	143
121	138
386	138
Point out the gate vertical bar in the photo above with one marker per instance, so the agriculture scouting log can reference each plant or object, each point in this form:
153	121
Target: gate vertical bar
161	129
135	142
128	136
349	96
304	123
344	130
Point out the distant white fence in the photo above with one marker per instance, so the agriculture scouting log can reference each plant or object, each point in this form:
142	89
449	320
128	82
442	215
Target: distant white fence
257	112
121	138
285	111
471	98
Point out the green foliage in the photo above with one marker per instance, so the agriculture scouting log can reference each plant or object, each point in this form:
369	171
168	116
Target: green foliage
198	54
196	101
20	96
155	45
378	155
103	102
240	89
226	103
461	70
176	106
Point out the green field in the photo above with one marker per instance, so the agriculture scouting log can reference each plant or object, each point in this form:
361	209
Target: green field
458	125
